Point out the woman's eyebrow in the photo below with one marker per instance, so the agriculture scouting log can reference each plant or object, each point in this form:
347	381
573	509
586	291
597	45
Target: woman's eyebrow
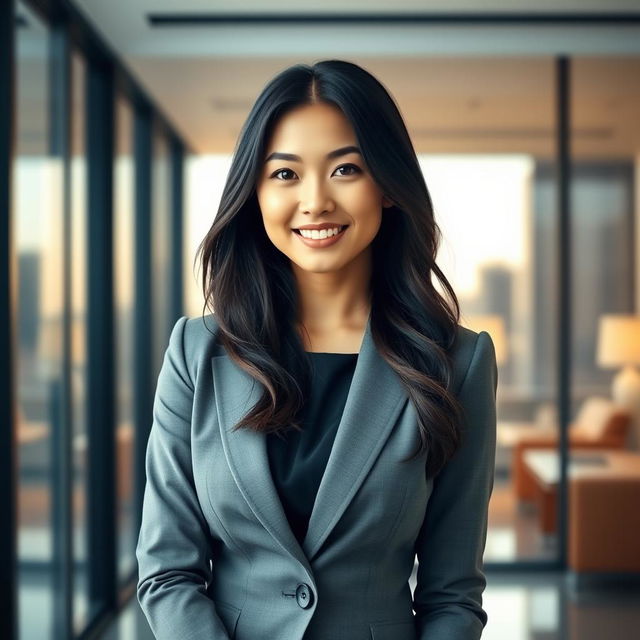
276	155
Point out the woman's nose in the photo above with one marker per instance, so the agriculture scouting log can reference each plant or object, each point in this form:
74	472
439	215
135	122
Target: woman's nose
316	196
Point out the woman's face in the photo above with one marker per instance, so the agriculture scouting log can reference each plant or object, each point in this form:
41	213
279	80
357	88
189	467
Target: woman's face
312	174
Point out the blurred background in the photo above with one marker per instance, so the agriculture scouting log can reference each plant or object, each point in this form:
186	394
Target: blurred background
117	124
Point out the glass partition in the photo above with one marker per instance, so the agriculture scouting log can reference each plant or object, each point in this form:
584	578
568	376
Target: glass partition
485	135
124	296
161	254
38	239
78	345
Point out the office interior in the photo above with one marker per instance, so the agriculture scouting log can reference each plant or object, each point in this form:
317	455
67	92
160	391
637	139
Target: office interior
117	124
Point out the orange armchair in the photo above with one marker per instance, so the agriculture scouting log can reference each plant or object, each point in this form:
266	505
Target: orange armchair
600	424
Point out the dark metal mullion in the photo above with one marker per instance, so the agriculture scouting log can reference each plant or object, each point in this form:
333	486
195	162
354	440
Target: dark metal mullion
180	19
143	325
177	228
564	293
59	78
563	305
8	444
100	366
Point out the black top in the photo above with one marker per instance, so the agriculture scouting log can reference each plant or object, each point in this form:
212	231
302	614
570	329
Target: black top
298	463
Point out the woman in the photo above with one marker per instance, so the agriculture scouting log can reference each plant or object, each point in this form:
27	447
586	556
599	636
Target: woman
330	420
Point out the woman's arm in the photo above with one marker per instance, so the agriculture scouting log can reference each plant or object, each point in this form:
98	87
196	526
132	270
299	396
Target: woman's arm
450	545
173	550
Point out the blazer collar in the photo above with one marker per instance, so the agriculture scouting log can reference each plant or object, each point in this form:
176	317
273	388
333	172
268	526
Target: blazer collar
374	401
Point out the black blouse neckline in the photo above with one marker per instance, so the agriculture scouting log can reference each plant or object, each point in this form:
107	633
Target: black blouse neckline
331	353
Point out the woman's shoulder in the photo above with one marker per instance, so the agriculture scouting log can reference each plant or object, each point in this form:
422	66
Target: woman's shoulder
471	351
200	336
198	326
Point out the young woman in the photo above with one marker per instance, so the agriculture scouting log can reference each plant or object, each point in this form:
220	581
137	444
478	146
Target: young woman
330	420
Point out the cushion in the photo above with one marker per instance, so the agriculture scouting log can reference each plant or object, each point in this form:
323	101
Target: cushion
594	417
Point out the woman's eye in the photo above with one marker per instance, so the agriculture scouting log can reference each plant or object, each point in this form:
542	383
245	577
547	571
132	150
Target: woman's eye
348	166
281	171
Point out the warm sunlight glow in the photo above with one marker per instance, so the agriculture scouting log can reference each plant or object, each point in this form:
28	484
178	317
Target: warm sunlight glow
205	177
482	204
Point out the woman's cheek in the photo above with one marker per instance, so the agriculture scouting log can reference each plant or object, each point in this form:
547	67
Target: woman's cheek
274	207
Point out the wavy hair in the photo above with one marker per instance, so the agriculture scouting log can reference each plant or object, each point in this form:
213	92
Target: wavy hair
250	287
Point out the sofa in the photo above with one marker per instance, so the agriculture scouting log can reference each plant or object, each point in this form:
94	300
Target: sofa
599	424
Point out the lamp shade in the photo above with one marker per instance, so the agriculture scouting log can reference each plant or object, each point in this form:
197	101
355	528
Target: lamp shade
618	340
494	326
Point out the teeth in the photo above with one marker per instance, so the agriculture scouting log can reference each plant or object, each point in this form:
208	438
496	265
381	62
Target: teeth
314	234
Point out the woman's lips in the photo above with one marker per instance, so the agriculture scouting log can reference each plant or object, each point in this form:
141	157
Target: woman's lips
321	242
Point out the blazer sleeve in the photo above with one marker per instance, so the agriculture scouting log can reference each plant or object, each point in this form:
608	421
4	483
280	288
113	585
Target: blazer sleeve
173	550
451	541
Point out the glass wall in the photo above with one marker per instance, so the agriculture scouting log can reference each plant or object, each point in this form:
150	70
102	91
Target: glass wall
38	239
62	584
205	175
605	354
161	246
124	292
605	142
78	345
486	142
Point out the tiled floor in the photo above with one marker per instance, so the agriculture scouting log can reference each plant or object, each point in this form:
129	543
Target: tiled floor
532	607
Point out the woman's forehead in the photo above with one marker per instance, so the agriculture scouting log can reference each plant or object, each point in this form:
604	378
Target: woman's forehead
311	132
320	118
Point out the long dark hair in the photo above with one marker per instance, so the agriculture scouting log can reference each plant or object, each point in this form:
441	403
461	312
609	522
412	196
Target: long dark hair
249	284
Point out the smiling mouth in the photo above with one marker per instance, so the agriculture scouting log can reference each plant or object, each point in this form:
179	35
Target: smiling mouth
342	228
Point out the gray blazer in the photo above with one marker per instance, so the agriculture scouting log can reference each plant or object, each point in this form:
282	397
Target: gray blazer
216	556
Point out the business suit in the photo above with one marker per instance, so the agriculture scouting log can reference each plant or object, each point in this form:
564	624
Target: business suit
217	558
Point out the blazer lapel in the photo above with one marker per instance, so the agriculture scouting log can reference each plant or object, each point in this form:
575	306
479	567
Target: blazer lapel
246	451
376	397
373	405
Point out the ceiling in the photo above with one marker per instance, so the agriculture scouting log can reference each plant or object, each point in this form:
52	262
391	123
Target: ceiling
462	88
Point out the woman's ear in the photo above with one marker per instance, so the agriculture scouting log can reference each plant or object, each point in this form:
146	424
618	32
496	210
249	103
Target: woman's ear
387	202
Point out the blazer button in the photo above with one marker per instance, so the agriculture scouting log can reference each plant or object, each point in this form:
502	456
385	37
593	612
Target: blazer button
304	595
